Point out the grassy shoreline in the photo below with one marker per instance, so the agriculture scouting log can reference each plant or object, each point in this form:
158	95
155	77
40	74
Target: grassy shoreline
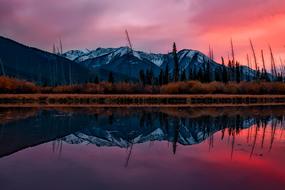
139	100
14	86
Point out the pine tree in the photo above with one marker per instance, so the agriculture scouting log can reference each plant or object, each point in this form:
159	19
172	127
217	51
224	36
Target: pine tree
111	78
176	64
166	74
183	76
264	75
190	73
200	75
96	80
238	76
279	77
142	77
149	77
160	78
219	71
208	72
258	74
230	75
225	74
241	75
218	76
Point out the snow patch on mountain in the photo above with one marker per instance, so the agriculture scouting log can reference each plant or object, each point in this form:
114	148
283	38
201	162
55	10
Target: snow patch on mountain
74	54
112	53
83	55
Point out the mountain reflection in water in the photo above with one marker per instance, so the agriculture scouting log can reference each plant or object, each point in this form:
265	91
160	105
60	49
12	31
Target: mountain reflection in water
226	132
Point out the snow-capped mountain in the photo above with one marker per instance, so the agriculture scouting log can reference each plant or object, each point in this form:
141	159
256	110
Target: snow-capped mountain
73	54
123	62
126	62
110	54
123	135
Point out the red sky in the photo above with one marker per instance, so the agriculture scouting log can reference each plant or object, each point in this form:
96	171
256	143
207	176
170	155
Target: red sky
153	24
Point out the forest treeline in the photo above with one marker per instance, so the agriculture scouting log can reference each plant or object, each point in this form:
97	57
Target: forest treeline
15	86
230	79
232	71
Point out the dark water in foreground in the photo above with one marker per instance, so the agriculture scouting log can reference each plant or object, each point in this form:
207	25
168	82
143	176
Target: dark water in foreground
142	148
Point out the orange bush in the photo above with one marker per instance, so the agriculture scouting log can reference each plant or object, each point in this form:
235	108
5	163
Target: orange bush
192	87
196	87
9	85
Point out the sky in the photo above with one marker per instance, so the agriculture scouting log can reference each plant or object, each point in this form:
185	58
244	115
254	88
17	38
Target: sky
153	25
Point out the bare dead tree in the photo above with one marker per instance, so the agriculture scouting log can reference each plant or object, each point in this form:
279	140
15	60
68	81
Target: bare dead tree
263	135
53	49
254	142
282	66
273	132
131	47
263	61
129	156
60	46
58	51
210	51
274	71
129	40
233	52
248	65
228	56
254	55
247	60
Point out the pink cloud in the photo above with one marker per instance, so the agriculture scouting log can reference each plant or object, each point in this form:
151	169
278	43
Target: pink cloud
153	24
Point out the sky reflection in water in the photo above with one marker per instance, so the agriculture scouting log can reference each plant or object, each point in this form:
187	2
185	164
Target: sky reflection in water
146	148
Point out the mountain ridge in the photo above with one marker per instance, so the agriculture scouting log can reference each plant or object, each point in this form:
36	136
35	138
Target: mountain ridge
32	64
189	60
80	66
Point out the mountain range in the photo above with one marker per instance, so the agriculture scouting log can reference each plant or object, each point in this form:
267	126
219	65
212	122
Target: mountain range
79	66
127	62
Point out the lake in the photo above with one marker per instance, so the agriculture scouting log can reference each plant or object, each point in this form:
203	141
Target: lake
142	148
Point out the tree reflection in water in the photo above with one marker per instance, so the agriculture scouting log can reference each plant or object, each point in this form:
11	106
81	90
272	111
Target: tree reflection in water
124	128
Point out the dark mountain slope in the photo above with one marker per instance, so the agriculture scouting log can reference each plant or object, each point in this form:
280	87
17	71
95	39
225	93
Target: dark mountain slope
35	65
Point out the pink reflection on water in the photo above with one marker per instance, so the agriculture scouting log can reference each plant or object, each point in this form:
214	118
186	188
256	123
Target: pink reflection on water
252	159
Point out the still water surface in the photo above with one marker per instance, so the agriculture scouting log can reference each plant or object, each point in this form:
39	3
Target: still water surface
142	148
